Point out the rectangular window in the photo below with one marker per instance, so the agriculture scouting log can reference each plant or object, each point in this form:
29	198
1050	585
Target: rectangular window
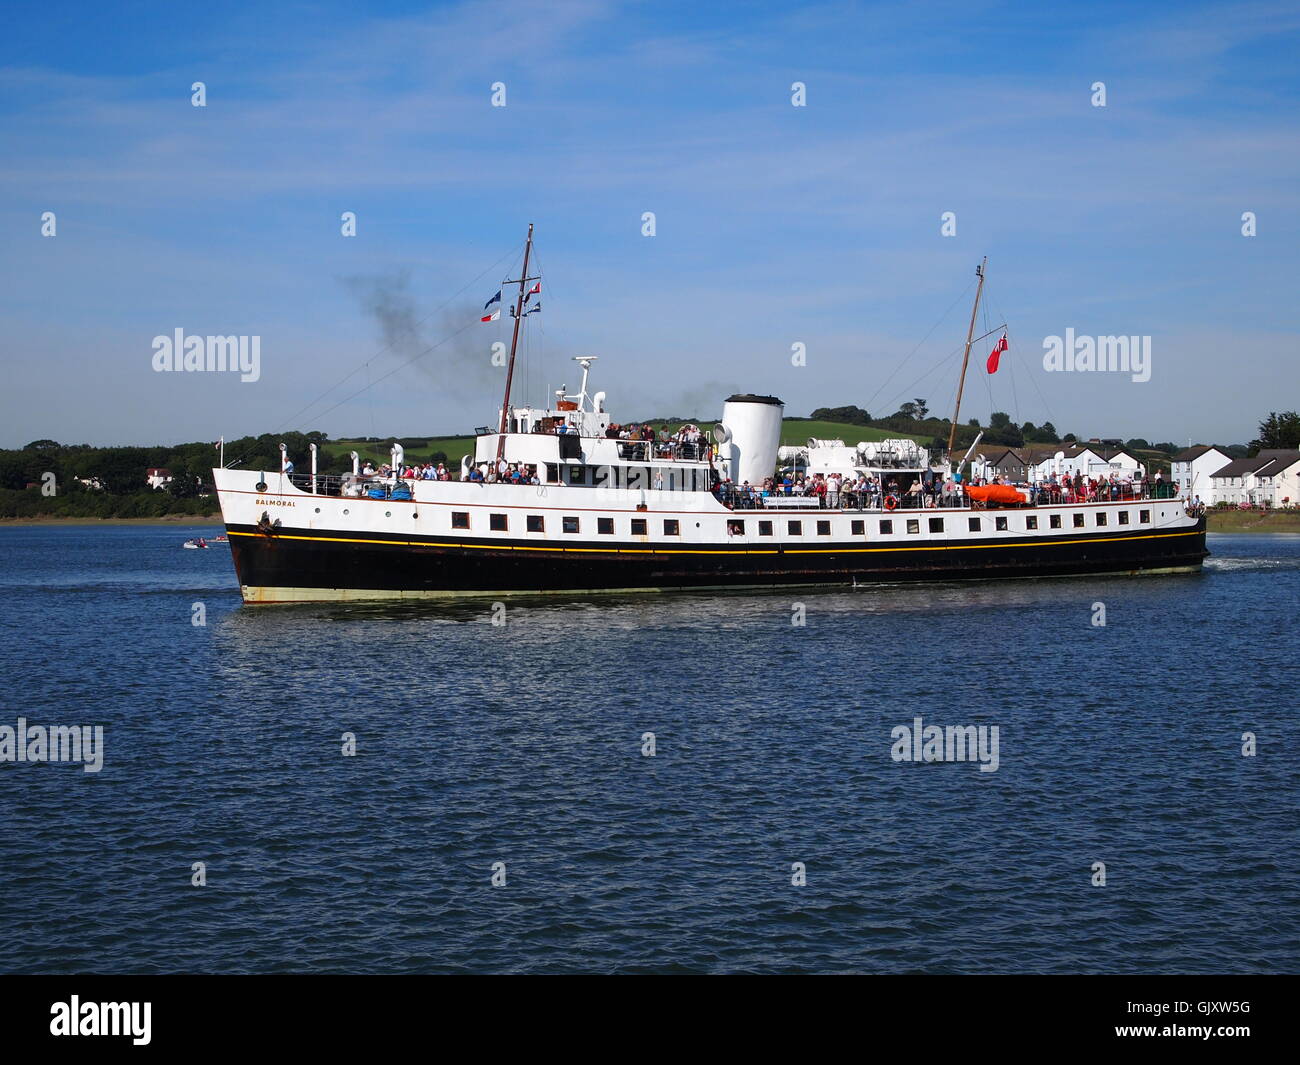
823	528
535	523
1123	517
460	519
605	526
570	523
1101	517
1054	520
914	526
936	525
577	474
1001	523
497	522
859	528
1031	522
552	473
794	528
735	527
886	528
638	526
1144	516
1078	521
764	528
671	527
973	524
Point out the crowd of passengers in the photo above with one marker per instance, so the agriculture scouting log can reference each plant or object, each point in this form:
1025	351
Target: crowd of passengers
935	490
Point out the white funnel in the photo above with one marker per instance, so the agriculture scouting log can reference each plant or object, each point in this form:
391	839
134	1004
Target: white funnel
754	424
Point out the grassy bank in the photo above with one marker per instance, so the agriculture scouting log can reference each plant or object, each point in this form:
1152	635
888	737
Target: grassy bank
1247	521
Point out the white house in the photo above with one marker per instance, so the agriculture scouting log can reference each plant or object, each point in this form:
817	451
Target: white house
157	477
1193	468
1269	479
1088	461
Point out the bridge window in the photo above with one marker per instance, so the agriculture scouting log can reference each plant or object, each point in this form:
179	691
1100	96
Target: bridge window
460	519
605	526
552	473
535	523
577	475
497	522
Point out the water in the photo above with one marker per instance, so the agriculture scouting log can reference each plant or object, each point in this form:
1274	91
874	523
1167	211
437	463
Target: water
522	744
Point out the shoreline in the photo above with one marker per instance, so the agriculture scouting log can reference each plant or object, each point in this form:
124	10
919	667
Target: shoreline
174	519
1246	521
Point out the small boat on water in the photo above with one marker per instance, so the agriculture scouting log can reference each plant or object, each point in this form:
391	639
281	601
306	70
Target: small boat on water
196	543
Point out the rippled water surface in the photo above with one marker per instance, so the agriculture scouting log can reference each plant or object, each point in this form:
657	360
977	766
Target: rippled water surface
521	744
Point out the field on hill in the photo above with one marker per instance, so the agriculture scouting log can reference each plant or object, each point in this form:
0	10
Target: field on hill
793	431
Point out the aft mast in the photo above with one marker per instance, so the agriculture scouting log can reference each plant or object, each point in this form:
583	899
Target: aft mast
514	344
970	335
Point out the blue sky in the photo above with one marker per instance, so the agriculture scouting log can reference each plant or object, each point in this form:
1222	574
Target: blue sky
775	224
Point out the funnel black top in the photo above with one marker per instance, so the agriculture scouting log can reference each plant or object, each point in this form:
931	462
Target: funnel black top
747	398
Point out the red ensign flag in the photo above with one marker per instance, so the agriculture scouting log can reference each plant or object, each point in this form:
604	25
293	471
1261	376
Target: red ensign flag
996	353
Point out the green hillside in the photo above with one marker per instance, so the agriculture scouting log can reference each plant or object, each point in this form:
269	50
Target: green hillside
793	431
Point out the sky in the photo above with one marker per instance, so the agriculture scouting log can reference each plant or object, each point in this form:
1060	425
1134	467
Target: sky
774	225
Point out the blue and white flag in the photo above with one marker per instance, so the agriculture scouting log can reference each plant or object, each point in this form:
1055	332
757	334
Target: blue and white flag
494	299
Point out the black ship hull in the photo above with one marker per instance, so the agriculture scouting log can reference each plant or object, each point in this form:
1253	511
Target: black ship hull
289	565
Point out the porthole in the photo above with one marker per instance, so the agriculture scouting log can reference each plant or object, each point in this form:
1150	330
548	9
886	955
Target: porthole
414	514
318	510
388	514
345	510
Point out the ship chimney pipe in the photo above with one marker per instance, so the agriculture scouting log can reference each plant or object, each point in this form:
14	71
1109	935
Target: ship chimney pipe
313	449
284	459
356	465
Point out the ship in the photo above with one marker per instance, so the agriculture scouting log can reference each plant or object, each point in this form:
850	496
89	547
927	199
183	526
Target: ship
558	499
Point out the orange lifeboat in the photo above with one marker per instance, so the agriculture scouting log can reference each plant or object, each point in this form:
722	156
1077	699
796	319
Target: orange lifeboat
995	493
